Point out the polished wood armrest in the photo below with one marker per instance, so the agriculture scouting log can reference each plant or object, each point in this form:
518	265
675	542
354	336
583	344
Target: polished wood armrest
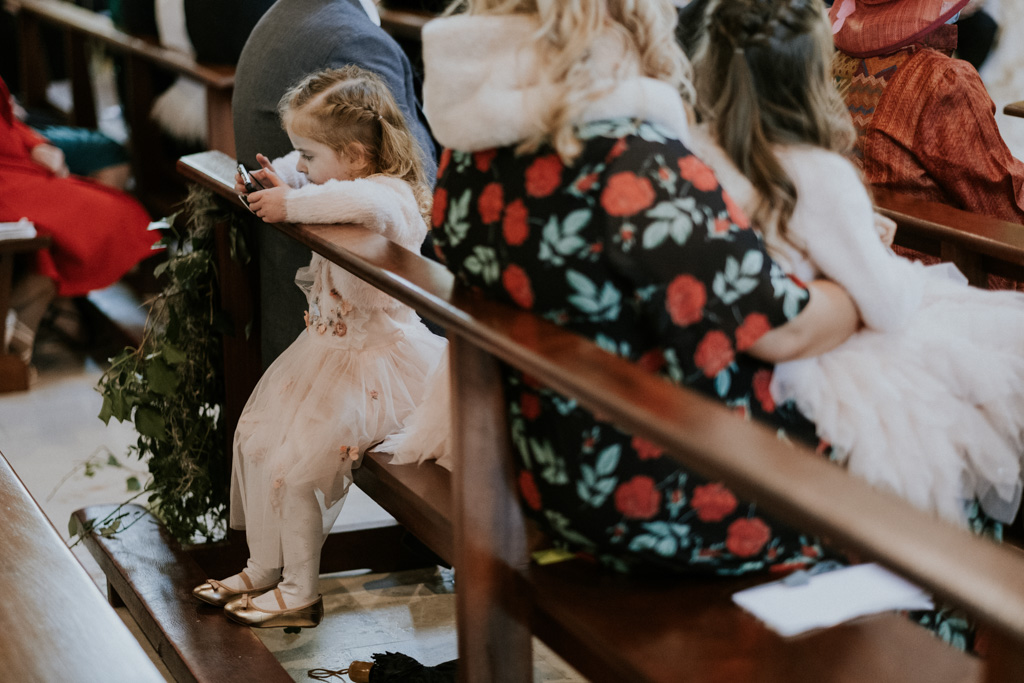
1014	109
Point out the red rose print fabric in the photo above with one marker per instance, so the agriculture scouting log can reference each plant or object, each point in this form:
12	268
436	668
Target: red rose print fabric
634	246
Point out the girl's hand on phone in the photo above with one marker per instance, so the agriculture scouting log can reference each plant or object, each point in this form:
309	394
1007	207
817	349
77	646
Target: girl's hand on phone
269	204
266	174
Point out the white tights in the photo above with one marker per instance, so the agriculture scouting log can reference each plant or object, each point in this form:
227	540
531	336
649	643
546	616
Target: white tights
302	539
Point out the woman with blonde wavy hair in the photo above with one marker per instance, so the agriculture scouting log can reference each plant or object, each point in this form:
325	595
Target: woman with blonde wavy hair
567	189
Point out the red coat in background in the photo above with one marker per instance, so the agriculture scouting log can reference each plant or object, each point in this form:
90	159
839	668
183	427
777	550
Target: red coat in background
98	233
926	127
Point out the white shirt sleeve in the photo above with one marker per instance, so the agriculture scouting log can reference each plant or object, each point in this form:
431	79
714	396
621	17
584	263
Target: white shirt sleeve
833	223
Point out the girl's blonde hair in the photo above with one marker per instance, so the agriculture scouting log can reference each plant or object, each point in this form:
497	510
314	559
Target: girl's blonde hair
764	78
351	106
568	30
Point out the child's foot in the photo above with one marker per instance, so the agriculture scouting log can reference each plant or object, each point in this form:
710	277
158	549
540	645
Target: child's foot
270	610
219	593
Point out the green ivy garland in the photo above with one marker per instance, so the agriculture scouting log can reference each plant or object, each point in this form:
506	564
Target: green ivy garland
172	386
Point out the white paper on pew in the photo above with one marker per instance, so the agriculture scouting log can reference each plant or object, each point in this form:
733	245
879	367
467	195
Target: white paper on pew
831	598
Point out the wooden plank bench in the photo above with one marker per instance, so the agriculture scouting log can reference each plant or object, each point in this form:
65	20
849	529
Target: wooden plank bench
56	624
154	170
612	628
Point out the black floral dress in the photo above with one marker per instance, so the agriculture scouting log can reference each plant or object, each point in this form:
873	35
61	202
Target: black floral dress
636	247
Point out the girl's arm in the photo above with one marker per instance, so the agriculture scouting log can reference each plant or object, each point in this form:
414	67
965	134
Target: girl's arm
834	223
827	320
383	204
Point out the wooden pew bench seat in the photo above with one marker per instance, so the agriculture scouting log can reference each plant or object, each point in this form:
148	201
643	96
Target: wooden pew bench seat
56	625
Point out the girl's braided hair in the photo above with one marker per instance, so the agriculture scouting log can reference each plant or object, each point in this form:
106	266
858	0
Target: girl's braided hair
764	78
352	106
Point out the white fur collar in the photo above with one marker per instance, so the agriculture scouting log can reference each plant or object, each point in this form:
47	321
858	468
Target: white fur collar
483	87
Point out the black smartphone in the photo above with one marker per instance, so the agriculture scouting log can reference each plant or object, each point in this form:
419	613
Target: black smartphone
251	184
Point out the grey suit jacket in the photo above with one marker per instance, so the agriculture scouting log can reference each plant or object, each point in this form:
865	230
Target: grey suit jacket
295	38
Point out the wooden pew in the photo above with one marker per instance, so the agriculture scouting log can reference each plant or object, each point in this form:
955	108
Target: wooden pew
142	57
612	628
56	625
978	245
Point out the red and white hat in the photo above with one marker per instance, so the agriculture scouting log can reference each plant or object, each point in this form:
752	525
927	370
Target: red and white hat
865	28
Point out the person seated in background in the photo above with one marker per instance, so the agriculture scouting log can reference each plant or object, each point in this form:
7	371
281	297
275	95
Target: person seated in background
925	123
98	233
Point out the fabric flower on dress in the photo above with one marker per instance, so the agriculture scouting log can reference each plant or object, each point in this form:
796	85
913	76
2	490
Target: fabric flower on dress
698	173
491	202
528	490
482	159
746	537
713	502
440	208
517	284
685	299
515	227
645	450
544	176
714	353
638	498
753	327
627	194
349	453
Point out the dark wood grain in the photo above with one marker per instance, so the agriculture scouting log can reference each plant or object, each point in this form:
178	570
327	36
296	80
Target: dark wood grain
418	496
490	538
977	244
99	27
56	625
689	631
154	577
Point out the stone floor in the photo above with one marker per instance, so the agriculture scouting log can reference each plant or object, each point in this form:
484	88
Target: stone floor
51	436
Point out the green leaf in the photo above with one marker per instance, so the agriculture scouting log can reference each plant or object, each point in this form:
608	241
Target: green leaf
72	526
118	407
106	411
112	461
150	423
133	484
172	354
162	379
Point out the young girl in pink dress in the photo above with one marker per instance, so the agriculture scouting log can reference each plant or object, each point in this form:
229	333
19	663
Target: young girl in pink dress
358	369
927	401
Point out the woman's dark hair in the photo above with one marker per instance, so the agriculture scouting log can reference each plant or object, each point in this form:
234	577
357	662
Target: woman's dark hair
764	78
